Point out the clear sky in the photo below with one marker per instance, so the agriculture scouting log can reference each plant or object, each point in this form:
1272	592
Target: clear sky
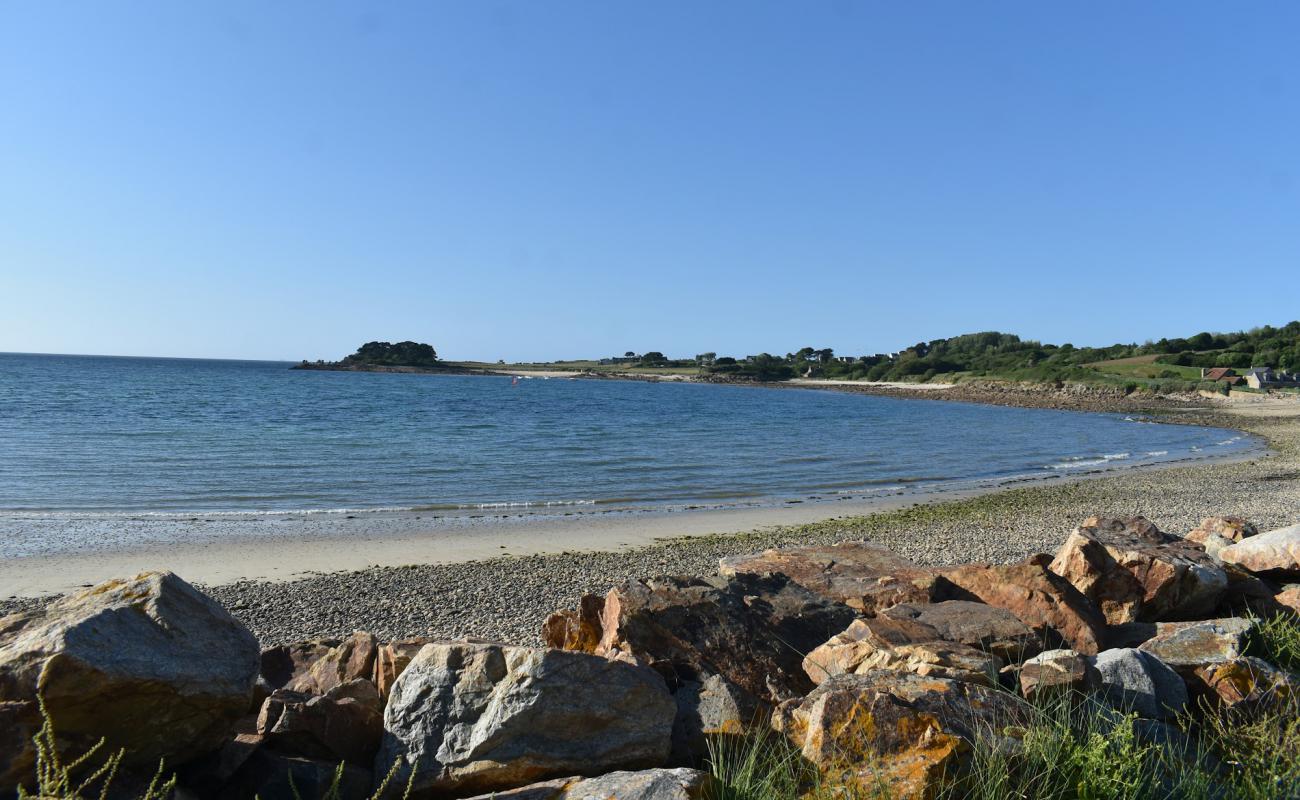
537	180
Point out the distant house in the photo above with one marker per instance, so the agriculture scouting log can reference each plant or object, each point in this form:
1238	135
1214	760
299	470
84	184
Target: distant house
1268	378
1226	375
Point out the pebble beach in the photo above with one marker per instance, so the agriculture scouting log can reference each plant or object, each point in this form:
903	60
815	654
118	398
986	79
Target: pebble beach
507	598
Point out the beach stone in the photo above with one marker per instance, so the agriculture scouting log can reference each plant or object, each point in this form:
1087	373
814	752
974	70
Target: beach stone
868	645
1133	572
1216	533
1187	645
1056	672
710	708
1136	681
473	717
750	630
282	665
392	658
149	663
1274	553
577	629
344	724
895	730
983	627
864	576
1057	612
352	659
1245	681
649	784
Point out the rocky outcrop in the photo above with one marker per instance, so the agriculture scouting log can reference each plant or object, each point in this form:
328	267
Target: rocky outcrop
285	664
148	663
864	576
350	660
1058	613
896	730
874	644
749	630
650	784
1216	533
1133	572
472	717
344	724
984	627
1188	645
1135	681
1275	553
1056	672
1288	598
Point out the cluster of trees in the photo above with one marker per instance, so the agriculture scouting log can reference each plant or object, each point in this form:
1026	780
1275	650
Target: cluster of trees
992	353
1259	347
401	354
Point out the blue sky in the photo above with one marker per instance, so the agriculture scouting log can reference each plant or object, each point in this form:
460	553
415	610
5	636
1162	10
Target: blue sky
529	180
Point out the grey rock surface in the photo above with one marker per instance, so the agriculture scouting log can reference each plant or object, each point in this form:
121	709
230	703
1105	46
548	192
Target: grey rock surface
481	717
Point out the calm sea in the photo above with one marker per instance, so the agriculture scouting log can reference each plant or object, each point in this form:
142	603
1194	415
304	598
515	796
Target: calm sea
126	436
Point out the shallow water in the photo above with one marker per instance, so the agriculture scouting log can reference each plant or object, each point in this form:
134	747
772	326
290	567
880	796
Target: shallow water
94	436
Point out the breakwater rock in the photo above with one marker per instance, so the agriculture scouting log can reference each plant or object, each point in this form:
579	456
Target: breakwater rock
871	670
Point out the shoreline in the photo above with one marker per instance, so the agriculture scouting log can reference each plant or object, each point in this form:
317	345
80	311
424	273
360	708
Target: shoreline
471	588
388	539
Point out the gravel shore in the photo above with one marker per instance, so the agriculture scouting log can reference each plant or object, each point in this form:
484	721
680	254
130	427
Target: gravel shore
507	598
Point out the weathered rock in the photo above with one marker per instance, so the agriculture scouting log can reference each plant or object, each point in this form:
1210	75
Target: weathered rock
650	784
750	630
352	659
268	775
344	724
1136	681
392	658
864	576
1058	614
1246	681
1055	672
577	629
1247	595
1289	598
149	663
476	717
894	729
1133	572
1216	533
902	645
1275	553
1188	645
282	665
711	708
988	628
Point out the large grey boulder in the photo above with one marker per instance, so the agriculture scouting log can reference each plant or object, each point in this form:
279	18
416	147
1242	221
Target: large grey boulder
1273	553
149	663
1135	681
649	784
480	717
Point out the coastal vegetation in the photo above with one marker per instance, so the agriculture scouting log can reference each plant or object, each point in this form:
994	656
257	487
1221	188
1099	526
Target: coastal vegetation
401	354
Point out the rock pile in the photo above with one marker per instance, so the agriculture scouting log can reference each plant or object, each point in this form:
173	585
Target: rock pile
877	672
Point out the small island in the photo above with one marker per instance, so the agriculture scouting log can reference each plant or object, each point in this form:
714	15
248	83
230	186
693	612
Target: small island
405	356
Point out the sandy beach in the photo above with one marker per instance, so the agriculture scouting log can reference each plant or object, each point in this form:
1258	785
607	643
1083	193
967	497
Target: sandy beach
499	578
